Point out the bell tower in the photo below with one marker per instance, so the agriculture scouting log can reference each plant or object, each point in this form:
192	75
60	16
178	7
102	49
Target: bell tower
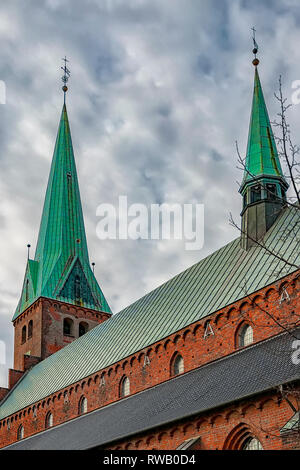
61	298
263	187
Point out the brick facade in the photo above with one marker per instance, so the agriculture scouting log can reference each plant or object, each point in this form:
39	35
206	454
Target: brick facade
267	311
47	335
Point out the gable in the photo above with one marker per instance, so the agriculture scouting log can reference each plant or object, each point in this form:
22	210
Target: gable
76	287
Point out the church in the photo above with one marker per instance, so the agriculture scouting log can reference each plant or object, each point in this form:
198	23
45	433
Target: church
210	360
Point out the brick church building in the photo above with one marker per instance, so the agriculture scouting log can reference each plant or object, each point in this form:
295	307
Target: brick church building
208	360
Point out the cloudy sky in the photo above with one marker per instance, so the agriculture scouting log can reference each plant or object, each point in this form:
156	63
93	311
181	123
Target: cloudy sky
159	92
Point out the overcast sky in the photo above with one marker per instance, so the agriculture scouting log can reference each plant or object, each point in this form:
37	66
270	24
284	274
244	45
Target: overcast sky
159	92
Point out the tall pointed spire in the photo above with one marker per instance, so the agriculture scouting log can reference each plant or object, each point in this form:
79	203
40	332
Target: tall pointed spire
262	157
263	186
61	268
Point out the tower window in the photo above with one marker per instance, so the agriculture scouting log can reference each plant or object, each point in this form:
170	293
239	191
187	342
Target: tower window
178	365
49	421
68	326
255	193
20	433
77	288
30	327
27	291
125	387
271	191
245	336
24	334
82	409
83	328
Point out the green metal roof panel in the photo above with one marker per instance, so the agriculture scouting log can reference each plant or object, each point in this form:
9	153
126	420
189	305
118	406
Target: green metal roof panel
62	241
262	157
213	283
293	424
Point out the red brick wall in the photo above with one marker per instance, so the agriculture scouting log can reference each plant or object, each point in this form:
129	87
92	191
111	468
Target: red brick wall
190	342
13	377
3	392
47	316
32	345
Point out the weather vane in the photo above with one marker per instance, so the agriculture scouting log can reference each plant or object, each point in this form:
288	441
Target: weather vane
255	49
65	77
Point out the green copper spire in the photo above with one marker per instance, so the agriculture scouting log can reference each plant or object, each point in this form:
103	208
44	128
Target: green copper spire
262	157
264	186
61	268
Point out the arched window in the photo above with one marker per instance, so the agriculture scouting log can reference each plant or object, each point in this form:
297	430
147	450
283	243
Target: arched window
30	327
83	328
68	326
242	438
271	191
24	334
252	444
20	433
245	336
82	405
125	387
178	365
49	420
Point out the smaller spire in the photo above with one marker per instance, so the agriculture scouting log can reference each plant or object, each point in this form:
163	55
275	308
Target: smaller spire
264	186
65	77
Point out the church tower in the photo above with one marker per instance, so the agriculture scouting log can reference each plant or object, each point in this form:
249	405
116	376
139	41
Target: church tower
263	187
61	298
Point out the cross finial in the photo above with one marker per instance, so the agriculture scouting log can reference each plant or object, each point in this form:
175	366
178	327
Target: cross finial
254	41
255	49
65	76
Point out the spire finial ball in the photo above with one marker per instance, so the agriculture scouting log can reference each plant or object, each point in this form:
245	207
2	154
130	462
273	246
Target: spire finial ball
64	88
255	62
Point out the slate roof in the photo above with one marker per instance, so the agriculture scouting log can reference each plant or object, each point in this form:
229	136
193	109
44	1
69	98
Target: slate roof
215	282
250	371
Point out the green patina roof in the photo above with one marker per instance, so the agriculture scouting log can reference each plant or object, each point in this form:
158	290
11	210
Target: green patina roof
293	424
262	157
221	279
61	268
